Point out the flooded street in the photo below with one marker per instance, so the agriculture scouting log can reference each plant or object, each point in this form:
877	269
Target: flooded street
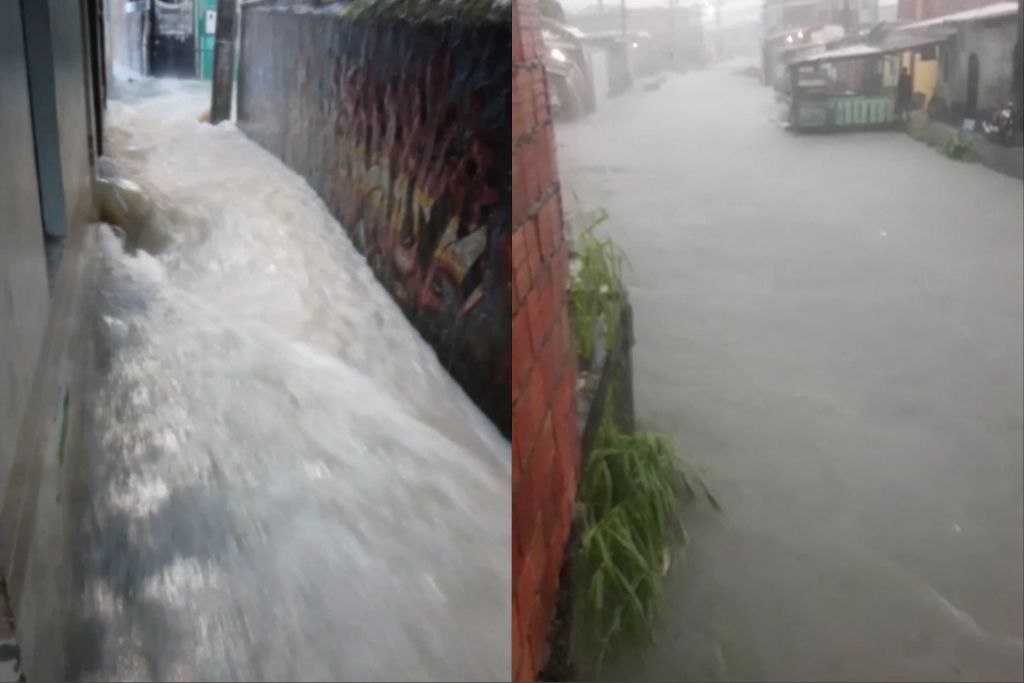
833	326
281	481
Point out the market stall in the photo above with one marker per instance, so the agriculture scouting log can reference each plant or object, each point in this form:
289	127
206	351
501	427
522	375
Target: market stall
853	86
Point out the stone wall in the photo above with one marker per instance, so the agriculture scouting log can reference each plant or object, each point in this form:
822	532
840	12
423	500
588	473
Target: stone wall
545	437
397	113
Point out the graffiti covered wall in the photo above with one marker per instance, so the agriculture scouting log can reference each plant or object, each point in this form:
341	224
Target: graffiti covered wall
397	112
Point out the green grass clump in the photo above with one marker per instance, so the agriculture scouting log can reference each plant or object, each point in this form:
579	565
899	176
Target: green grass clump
958	147
595	293
631	494
632	488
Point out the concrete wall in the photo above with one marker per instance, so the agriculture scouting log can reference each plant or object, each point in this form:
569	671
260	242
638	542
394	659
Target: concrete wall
24	295
74	108
46	113
545	437
993	42
400	122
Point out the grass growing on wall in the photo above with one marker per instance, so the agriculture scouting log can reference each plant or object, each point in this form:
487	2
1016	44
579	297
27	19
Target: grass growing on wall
595	292
632	490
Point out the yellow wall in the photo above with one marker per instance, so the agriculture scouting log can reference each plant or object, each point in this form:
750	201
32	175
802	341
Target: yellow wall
926	74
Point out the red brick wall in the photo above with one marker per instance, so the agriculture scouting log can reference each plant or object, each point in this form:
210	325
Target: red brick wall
545	438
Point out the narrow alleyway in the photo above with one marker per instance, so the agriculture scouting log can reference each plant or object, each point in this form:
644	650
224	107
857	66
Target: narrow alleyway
280	481
833	325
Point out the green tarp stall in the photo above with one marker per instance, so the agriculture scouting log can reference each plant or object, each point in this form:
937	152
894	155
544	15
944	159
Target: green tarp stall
822	96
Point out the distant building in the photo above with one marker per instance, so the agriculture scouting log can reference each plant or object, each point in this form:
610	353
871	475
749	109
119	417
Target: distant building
961	66
783	14
797	28
973	71
668	38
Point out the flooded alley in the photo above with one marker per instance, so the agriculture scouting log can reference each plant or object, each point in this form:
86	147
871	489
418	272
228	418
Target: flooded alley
832	325
276	469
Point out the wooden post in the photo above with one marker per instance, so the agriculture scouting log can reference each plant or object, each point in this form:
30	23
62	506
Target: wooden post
224	61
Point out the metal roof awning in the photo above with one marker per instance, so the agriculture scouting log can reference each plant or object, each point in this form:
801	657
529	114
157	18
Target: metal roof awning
999	10
894	42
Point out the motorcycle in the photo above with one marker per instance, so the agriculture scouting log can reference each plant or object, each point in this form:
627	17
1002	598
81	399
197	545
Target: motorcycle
1001	126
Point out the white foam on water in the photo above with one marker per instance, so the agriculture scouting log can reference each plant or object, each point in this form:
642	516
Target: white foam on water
282	480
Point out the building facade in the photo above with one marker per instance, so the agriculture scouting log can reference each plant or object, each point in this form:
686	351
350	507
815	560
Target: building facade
978	74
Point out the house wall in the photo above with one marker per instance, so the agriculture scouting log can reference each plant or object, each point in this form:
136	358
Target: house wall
46	112
71	79
927	74
45	121
993	42
24	295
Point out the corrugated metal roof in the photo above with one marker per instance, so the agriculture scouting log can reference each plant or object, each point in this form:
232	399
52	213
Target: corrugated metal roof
994	11
893	42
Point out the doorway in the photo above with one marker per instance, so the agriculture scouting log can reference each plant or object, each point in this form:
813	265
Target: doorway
972	86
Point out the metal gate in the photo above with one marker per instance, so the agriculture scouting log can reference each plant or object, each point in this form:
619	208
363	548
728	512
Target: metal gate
173	41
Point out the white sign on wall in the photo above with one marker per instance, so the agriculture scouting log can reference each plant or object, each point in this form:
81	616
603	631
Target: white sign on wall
211	21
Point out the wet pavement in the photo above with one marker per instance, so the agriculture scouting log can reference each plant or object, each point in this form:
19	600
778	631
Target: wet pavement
833	325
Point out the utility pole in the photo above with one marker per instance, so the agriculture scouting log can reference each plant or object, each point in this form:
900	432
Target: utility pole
622	6
672	41
224	61
718	30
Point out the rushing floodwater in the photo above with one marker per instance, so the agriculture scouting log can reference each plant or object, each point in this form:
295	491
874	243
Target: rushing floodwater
283	482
